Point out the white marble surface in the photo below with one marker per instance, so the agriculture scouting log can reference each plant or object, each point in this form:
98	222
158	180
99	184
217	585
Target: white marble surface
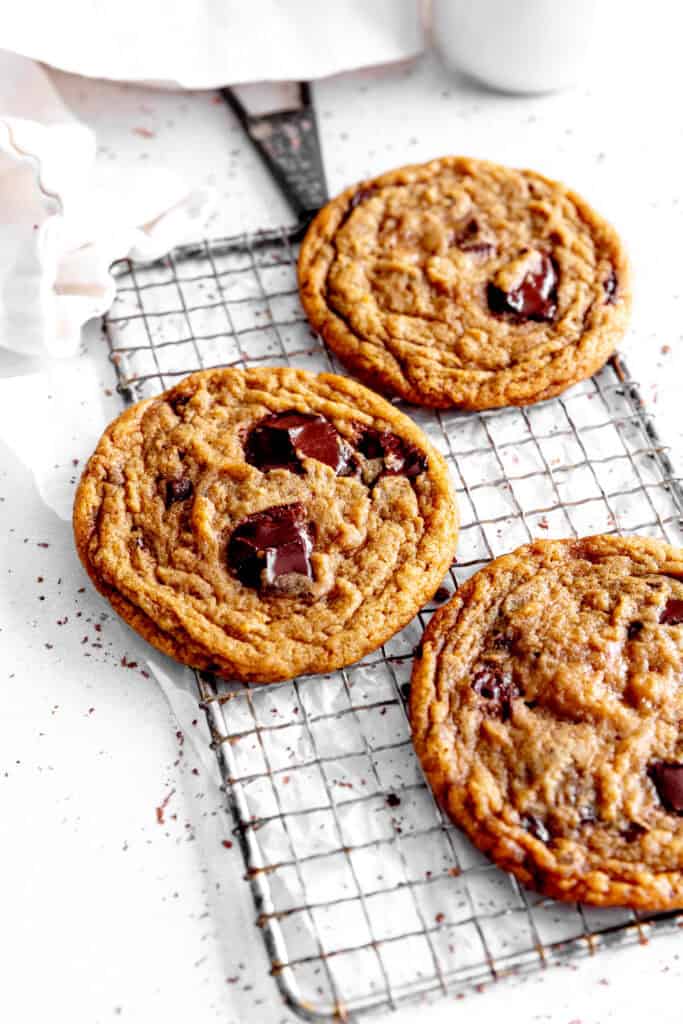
107	913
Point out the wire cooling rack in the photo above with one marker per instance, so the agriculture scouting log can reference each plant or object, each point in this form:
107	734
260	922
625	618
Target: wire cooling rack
365	894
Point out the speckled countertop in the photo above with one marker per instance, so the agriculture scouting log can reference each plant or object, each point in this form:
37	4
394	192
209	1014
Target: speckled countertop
112	904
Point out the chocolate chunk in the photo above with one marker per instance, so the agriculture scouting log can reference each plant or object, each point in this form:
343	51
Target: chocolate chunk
468	232
178	490
356	199
633	831
502	642
442	594
467	241
610	287
673	612
393	800
282	439
634	630
395	457
535	827
667	777
178	403
587	815
271	550
405	690
534	297
497	687
478	248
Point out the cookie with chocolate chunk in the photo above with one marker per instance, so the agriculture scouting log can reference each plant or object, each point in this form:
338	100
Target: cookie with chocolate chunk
464	283
265	523
547	712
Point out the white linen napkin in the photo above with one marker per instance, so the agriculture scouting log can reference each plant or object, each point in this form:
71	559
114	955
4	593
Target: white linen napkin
62	225
208	43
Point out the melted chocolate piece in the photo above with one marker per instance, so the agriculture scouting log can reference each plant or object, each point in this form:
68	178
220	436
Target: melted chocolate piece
535	827
667	778
534	298
610	287
270	549
178	490
468	233
282	439
497	687
467	241
634	630
178	403
356	199
397	457
478	248
633	831
405	690
673	612
442	594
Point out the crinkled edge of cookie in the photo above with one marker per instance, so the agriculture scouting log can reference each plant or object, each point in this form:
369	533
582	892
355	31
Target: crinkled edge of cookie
343	648
466	389
513	848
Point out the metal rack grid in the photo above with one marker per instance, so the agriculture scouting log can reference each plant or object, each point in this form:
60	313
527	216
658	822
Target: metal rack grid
366	895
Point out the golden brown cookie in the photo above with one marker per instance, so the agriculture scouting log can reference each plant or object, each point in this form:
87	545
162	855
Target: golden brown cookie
463	283
546	708
265	523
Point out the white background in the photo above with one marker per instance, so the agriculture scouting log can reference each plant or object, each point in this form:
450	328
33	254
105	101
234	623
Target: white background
106	913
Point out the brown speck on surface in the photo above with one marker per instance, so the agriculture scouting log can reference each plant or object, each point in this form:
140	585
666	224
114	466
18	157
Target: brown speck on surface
543	523
144	133
162	807
227	843
442	594
454	872
393	800
665	350
440	918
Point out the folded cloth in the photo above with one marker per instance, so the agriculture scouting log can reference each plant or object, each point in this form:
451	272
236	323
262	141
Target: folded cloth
61	230
208	43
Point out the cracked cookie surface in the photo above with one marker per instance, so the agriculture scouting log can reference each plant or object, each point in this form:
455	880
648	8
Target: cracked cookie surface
265	523
546	709
464	283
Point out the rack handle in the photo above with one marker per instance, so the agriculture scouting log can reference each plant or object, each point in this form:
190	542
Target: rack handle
288	143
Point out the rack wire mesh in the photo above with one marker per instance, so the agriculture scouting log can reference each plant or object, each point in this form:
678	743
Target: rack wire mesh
366	895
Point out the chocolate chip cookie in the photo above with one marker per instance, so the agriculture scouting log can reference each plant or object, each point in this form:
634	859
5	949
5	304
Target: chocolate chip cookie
265	523
546	708
464	283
